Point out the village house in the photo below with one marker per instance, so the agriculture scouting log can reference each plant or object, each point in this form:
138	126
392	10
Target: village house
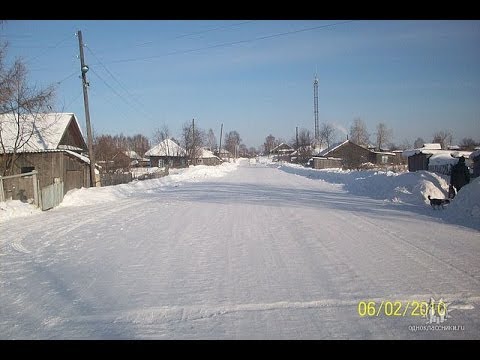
431	157
54	150
167	153
206	157
282	152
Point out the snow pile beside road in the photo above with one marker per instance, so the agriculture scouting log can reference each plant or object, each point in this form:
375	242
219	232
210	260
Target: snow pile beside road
466	204
407	187
90	196
15	208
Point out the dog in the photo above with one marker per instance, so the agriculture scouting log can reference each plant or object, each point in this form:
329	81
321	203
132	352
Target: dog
436	203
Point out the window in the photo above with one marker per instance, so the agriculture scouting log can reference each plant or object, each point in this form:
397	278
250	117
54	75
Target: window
27	169
161	163
384	159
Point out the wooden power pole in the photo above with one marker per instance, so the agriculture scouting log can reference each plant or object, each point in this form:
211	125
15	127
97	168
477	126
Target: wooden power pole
84	69
220	147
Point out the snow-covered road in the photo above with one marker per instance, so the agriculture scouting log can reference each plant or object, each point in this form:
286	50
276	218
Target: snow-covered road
259	254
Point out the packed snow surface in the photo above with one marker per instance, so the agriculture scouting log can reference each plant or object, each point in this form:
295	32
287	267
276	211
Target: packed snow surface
252	251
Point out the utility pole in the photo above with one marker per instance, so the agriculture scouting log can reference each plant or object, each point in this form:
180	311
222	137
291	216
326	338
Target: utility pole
296	136
220	147
193	141
84	69
315	107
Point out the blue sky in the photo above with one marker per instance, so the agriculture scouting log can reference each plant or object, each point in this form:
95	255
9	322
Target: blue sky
256	77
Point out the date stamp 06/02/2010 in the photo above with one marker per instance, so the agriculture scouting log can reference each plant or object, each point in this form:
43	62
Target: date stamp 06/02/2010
437	311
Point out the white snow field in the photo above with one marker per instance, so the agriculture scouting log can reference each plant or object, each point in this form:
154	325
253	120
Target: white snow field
253	253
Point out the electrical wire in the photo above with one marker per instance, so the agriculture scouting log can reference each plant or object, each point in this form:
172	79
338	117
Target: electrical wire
230	43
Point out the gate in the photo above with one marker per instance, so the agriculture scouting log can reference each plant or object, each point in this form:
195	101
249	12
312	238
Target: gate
52	195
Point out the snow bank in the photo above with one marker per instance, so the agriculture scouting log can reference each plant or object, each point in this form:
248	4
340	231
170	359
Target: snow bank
406	187
90	196
466	204
15	208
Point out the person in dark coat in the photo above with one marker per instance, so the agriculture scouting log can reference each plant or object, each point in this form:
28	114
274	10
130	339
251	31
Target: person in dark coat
460	175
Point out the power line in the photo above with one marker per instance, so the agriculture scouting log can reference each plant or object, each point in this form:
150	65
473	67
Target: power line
48	48
116	79
184	35
231	43
117	93
66	78
214	29
111	102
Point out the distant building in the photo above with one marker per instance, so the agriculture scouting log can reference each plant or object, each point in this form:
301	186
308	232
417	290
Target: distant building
475	158
54	150
431	157
167	153
207	157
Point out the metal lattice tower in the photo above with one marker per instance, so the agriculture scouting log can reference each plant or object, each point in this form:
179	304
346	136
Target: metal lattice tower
315	107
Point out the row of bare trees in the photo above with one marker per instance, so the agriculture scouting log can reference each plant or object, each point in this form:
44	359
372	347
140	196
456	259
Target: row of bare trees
21	107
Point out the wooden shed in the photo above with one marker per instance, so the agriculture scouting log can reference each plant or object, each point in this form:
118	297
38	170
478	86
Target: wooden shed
53	150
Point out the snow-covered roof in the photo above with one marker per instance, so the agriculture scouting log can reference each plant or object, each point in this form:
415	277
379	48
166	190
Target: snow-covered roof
282	147
47	130
453	147
385	153
432	146
453	153
167	147
207	154
475	154
324	152
132	155
442	159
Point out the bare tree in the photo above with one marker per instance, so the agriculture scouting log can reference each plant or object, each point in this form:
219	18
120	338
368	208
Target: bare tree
270	143
406	144
211	140
232	141
384	135
327	134
418	143
358	133
138	143
304	150
22	109
192	140
443	137
110	152
468	144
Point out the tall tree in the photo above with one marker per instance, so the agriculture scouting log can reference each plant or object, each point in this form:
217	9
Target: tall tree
138	143
327	134
232	141
443	137
384	135
193	139
211	141
468	144
304	150
22	109
418	143
270	143
358	133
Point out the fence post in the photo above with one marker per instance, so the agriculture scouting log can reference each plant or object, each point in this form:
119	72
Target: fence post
2	197
35	188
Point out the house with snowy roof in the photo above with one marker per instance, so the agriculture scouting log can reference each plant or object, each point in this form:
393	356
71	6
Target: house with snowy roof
282	152
136	160
167	153
475	158
431	157
52	144
206	157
